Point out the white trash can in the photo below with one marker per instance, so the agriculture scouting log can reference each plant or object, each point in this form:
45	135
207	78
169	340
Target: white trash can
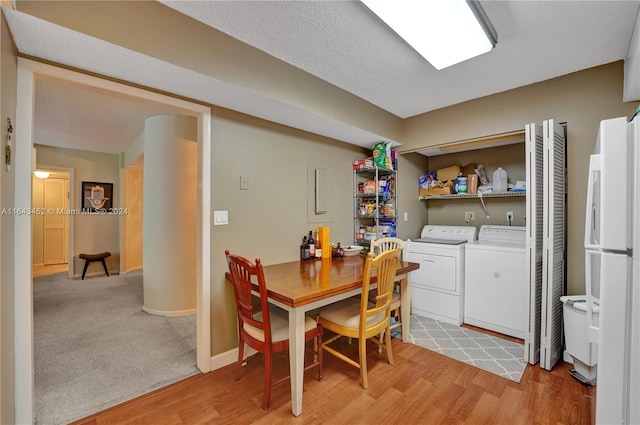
579	351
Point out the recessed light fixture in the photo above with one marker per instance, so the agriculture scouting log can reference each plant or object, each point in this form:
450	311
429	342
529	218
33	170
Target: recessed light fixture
41	174
445	32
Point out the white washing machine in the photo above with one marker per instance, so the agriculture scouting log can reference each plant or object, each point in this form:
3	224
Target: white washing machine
437	288
496	280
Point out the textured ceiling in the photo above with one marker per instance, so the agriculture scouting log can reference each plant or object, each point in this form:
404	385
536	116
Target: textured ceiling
345	44
340	42
105	121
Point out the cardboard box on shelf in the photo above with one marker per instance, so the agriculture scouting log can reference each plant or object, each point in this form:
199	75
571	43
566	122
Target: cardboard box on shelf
369	187
472	183
468	169
435	191
363	164
449	173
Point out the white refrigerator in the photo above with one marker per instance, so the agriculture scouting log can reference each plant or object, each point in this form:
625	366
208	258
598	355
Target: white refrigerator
612	261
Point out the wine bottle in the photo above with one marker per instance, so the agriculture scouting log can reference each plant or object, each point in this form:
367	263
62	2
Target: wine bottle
318	250
312	246
303	248
307	250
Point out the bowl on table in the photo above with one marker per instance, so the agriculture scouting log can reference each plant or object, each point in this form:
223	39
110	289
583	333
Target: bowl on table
351	250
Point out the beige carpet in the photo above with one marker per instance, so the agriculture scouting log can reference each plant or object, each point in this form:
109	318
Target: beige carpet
95	347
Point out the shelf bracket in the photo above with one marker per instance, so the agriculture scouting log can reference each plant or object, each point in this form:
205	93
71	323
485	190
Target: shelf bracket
484	207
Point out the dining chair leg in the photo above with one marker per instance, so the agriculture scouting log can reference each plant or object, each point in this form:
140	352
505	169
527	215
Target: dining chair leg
388	343
319	355
362	342
240	359
315	349
267	380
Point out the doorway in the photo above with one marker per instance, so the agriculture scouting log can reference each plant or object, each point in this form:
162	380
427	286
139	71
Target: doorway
28	70
51	221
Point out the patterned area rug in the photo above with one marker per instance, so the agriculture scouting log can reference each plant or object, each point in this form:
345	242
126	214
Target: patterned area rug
496	355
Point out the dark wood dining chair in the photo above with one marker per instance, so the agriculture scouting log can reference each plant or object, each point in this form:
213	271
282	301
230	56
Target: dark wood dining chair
357	317
266	331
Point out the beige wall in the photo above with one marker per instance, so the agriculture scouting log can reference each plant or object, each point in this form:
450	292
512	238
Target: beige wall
581	99
410	167
270	219
8	75
131	185
92	233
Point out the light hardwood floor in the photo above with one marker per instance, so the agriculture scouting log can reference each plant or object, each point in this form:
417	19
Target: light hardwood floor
422	388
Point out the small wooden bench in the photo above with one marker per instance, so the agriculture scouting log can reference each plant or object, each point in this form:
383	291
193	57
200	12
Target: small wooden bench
90	258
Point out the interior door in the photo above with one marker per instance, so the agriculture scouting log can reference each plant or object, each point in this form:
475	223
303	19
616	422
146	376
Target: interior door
56	221
553	240
534	208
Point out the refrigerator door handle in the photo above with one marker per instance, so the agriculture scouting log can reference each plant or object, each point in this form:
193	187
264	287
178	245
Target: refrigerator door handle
593	330
592	224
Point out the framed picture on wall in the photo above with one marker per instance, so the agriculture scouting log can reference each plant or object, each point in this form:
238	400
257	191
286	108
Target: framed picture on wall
96	197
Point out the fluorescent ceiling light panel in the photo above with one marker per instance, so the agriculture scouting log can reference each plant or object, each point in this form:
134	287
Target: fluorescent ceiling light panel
445	32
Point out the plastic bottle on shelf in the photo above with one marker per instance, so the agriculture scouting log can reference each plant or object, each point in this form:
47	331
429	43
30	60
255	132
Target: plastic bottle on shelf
499	183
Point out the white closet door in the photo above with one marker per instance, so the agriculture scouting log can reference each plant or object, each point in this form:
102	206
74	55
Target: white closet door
534	210
56	223
553	263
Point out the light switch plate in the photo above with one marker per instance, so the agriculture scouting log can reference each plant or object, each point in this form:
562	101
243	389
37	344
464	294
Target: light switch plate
220	218
244	183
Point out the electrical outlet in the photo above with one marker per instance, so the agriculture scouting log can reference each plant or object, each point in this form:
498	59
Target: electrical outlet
509	216
469	215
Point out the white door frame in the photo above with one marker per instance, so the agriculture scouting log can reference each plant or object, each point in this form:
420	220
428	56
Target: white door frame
23	283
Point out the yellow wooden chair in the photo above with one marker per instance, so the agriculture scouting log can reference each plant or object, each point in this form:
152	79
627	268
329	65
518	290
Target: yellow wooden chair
361	319
377	246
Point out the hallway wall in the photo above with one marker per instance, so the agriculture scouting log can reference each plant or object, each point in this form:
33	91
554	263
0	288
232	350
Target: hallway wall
93	233
131	223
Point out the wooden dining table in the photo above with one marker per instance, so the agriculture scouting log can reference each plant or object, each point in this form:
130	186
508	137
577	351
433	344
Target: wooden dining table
301	286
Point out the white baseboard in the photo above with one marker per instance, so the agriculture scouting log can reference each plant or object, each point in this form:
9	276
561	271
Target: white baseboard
228	357
100	273
169	313
131	270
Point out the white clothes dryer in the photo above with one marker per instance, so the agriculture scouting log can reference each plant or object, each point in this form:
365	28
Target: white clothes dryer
437	288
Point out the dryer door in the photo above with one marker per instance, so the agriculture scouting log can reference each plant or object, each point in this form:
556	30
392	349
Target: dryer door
437	272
